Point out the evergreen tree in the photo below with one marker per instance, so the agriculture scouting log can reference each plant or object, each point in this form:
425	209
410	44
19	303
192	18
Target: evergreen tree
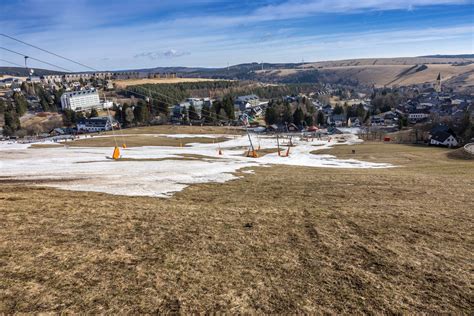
338	110
320	118
164	108
206	113
193	114
12	122
308	118
222	115
271	116
287	116
298	116
360	110
217	105
69	117
213	113
141	113
80	116
57	97
93	113
2	106
21	105
159	107
228	104
117	113
184	115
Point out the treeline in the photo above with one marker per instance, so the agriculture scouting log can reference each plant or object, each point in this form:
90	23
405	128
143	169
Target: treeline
174	93
177	92
276	91
303	112
384	101
141	113
12	111
219	110
49	101
282	112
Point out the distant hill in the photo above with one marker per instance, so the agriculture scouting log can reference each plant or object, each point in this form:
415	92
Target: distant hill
457	71
450	56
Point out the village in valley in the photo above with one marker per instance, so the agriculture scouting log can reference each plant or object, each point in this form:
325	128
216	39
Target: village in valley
77	104
221	157
307	157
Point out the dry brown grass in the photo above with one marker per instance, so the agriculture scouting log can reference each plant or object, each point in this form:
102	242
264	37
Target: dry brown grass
391	71
142	140
282	240
180	129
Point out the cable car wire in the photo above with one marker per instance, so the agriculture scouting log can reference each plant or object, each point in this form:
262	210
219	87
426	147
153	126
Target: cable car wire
38	60
10	62
47	51
92	68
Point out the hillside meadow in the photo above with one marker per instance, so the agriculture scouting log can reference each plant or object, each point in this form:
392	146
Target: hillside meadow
283	239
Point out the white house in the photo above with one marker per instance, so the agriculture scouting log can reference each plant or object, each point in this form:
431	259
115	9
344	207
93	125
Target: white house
443	139
246	101
107	105
80	100
94	124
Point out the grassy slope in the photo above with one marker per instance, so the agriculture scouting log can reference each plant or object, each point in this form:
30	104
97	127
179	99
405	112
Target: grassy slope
140	140
180	129
391	71
285	239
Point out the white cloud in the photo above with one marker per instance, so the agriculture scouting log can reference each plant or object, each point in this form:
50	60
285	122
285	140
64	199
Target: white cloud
201	38
170	53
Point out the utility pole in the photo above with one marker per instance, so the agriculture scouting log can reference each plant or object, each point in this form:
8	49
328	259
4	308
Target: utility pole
30	72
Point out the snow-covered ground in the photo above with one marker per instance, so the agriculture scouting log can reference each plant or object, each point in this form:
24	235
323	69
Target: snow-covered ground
88	169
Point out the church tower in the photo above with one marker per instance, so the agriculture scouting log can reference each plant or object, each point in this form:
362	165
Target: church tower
438	83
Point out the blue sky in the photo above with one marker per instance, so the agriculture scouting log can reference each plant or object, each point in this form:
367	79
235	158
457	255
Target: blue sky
212	33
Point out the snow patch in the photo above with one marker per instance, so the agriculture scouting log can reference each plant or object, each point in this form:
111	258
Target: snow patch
88	169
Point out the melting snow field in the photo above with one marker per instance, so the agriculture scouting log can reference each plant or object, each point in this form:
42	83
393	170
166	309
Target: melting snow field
88	169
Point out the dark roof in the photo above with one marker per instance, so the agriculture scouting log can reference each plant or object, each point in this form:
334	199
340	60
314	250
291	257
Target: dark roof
440	136
442	128
333	130
57	130
94	121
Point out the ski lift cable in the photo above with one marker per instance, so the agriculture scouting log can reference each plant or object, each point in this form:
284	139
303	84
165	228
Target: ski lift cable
47	51
33	58
112	123
119	128
86	66
10	62
89	67
73	61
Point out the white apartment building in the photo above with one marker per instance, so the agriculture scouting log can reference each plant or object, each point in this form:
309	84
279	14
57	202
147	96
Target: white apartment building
77	77
417	116
52	78
80	100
